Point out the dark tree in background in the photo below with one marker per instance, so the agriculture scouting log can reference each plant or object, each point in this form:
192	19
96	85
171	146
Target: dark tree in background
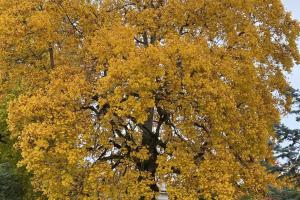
287	151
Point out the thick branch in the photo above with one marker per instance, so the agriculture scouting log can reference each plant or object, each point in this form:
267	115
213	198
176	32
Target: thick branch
51	55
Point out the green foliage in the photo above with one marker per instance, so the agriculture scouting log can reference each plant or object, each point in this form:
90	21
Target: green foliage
285	194
287	151
14	182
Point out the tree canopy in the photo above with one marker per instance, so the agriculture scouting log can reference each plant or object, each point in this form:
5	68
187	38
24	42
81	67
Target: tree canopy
120	96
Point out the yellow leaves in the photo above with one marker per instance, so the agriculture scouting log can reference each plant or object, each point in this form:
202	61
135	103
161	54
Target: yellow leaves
142	154
69	84
147	18
47	133
43	24
255	182
216	174
146	92
213	175
67	180
107	46
40	143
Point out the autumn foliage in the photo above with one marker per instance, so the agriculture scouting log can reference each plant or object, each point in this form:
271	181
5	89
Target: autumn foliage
120	96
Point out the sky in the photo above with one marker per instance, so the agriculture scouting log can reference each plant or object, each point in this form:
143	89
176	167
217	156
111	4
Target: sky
293	6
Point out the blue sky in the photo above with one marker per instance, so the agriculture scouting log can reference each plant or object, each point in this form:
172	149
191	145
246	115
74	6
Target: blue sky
293	6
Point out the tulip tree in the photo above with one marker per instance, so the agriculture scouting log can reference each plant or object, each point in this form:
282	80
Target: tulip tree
121	96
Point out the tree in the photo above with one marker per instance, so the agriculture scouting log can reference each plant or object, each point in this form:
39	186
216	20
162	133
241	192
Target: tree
287	150
120	96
